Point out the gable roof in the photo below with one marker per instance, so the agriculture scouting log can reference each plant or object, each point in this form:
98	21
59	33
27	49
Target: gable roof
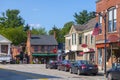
43	40
90	24
87	26
79	27
4	40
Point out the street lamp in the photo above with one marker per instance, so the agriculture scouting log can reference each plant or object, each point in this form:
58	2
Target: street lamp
103	15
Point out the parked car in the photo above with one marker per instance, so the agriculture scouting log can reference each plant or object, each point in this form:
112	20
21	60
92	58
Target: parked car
84	67
64	65
52	64
4	58
114	72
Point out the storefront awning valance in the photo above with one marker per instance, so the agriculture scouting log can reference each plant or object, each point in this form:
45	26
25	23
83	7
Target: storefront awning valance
44	54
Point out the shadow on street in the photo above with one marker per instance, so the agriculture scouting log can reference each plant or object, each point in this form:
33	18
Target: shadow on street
6	74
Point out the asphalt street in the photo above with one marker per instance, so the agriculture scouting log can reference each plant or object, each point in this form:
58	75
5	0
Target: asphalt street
38	72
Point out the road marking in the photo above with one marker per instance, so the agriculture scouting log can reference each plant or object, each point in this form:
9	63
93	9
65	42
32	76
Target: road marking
44	79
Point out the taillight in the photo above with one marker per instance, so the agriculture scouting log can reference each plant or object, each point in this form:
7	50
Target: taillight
68	65
96	66
52	63
83	66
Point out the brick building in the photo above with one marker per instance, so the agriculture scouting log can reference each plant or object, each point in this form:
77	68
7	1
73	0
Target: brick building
109	11
41	47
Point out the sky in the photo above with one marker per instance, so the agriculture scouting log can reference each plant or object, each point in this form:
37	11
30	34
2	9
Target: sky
47	13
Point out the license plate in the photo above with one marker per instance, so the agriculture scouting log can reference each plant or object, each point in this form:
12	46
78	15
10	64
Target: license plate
90	68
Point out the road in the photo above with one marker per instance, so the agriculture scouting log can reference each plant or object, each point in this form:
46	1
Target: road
38	72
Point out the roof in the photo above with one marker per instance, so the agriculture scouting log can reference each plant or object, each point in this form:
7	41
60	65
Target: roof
89	25
79	27
43	40
4	40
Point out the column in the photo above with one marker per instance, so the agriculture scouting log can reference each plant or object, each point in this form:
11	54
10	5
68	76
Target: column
9	49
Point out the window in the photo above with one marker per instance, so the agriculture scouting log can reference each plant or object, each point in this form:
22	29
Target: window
91	39
80	39
48	49
86	39
112	20
36	48
100	24
4	48
69	42
73	39
42	48
100	56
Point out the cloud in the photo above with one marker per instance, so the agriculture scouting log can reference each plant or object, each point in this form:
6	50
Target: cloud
34	26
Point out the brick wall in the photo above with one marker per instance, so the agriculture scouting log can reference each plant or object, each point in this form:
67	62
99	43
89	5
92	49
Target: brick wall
101	7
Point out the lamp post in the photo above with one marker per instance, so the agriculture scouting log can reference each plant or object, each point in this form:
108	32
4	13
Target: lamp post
103	15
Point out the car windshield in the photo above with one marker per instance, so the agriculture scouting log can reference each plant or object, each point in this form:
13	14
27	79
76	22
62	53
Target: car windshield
85	62
116	65
66	61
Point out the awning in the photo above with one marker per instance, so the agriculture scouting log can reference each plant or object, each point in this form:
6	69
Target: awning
44	54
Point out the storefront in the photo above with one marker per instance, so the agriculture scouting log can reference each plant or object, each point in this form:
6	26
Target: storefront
43	57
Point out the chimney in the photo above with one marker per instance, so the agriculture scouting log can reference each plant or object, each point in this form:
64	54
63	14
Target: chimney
28	33
28	45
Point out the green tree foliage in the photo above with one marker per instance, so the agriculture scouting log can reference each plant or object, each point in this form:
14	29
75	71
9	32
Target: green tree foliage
11	19
12	26
37	31
56	31
67	26
16	35
83	17
27	27
65	30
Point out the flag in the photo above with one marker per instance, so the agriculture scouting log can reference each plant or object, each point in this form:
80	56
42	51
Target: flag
96	29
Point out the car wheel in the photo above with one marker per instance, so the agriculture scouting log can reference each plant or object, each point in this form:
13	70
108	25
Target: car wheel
71	71
94	74
46	67
109	77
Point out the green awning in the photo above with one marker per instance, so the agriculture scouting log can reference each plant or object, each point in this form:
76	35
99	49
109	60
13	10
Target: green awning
44	54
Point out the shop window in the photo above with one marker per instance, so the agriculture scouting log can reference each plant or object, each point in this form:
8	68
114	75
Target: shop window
100	56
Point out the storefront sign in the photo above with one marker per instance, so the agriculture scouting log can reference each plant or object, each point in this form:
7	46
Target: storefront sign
84	45
54	50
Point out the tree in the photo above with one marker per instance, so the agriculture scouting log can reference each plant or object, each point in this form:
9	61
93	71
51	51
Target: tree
12	26
57	32
38	31
16	35
65	30
27	27
11	19
67	26
83	17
